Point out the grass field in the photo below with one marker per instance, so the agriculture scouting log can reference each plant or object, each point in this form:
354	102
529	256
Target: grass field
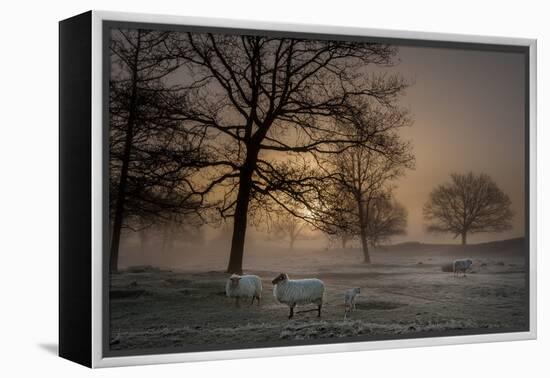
404	292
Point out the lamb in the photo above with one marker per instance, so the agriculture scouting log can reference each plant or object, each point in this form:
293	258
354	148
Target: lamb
298	292
349	300
461	266
246	286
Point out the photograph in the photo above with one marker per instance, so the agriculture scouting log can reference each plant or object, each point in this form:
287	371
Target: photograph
271	189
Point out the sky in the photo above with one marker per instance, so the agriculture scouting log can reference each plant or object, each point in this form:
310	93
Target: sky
468	112
467	108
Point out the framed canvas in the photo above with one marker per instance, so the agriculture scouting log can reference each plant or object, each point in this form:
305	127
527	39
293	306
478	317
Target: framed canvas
235	189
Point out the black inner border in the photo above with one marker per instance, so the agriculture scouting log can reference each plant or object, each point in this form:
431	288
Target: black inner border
108	25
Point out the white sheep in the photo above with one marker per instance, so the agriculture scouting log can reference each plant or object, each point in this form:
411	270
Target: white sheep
298	292
349	300
461	266
246	286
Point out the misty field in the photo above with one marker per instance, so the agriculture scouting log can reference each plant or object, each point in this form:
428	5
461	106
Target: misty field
404	292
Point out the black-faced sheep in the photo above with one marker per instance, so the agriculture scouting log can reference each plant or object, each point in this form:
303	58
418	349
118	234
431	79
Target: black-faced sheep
245	287
298	292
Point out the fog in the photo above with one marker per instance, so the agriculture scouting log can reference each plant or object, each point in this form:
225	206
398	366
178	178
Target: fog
468	113
468	109
207	247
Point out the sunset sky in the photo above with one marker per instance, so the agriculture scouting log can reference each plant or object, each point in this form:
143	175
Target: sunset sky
468	111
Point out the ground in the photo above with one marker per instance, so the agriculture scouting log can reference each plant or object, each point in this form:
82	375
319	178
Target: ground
404	292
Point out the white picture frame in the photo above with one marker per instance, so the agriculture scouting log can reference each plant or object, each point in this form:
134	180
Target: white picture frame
97	232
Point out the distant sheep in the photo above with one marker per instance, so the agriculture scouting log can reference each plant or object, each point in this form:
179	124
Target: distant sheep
349	300
245	287
298	292
461	266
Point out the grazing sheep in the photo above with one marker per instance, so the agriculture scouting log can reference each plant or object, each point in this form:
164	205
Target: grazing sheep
298	292
247	286
461	266
349	300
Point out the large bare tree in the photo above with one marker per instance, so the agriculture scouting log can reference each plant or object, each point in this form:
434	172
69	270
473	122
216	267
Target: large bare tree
468	204
268	108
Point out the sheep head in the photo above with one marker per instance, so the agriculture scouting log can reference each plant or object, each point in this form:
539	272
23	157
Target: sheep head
235	278
281	277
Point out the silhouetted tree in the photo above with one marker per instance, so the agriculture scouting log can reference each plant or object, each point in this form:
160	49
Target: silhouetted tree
288	227
267	107
341	222
149	152
468	204
382	218
385	218
362	203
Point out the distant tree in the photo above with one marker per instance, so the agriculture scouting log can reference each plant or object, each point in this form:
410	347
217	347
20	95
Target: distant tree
468	204
345	238
362	203
268	106
341	221
385	218
286	226
381	218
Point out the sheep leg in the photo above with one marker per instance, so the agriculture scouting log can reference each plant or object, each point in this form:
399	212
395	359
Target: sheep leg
291	311
319	310
253	297
258	298
238	302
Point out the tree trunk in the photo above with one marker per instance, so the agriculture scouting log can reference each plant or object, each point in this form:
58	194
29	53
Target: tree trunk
165	245
464	238
344	242
291	244
365	245
121	195
143	239
119	207
240	220
363	232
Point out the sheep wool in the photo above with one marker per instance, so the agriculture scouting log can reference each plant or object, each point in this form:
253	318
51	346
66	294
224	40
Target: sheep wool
298	292
349	300
349	297
246	286
461	266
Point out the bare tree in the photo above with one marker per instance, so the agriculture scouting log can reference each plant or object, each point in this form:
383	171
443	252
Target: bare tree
385	218
149	153
289	227
362	203
268	107
468	204
382	218
341	222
